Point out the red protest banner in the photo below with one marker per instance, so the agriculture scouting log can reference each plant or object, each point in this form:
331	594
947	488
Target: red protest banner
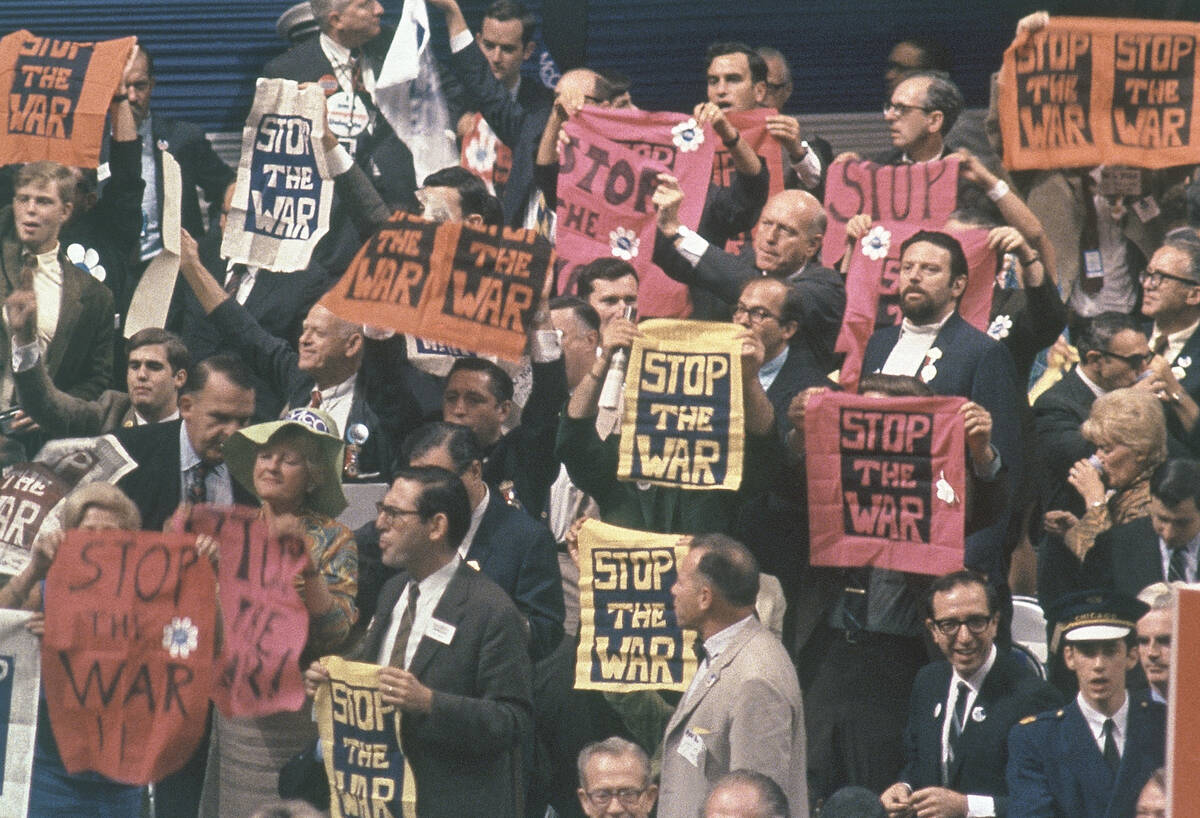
1089	91
873	294
886	482
265	622
752	125
1183	727
923	194
59	93
127	659
470	287
486	156
606	177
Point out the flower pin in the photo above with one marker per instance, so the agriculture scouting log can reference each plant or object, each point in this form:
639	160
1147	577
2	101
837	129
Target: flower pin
877	243
1179	369
624	243
180	637
86	258
687	135
978	714
945	491
162	144
1000	326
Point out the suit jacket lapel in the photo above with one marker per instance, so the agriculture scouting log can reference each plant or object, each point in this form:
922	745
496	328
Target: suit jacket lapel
1085	754
68	315
448	610
972	732
712	676
481	547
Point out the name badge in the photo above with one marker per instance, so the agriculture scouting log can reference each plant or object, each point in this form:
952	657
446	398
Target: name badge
691	747
440	631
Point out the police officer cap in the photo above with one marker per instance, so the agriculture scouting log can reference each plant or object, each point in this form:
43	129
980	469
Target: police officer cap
1096	615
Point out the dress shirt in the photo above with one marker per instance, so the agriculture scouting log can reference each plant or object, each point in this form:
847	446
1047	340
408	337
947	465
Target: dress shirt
432	588
340	58
47	285
1097	390
1193	552
713	646
141	421
1095	722
218	485
908	355
978	806
151	239
1120	287
770	369
476	518
336	401
245	285
1175	340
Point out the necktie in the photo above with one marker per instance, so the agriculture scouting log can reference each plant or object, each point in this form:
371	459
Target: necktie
400	646
197	491
315	401
956	722
1160	345
698	649
234	281
1112	756
1177	566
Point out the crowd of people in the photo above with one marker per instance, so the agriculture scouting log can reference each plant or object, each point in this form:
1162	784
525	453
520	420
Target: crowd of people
830	691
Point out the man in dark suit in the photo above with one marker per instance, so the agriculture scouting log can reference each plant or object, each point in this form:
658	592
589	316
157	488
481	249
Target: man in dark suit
936	345
1091	758
454	654
1171	297
1163	547
962	709
517	553
786	244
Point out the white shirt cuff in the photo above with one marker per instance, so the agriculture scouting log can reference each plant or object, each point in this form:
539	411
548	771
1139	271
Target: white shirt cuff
691	245
808	168
461	40
25	357
545	347
980	806
338	160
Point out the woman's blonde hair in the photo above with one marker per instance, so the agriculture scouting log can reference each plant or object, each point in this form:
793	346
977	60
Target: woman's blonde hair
104	496
1133	417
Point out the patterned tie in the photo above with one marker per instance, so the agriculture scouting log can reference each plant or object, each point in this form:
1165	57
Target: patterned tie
1177	566
29	265
1112	756
197	491
234	281
957	720
315	401
400	646
1159	347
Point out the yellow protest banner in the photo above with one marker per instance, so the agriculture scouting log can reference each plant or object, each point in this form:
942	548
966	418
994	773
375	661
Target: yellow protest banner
628	636
684	424
360	739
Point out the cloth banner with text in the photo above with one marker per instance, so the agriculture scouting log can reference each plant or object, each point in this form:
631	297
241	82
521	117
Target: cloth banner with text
265	621
486	156
1088	91
469	287
629	638
151	300
127	659
280	207
873	289
886	482
923	195
606	189
59	92
20	676
752	125
360	741
684	423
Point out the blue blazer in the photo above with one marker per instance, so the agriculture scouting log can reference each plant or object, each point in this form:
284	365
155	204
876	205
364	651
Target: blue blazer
1055	767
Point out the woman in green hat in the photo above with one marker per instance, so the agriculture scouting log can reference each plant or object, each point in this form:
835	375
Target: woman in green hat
294	467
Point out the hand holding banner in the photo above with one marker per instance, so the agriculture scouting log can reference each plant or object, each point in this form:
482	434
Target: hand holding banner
684	424
629	638
886	482
127	658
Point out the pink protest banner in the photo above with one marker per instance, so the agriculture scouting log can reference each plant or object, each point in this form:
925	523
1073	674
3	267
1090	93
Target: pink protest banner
752	125
265	622
605	185
127	659
923	194
886	482
873	291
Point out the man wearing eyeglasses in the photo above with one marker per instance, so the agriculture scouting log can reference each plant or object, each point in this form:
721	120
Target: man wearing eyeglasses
922	110
614	780
1171	299
962	709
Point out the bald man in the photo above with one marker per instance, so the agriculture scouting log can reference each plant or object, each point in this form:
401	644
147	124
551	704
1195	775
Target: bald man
787	239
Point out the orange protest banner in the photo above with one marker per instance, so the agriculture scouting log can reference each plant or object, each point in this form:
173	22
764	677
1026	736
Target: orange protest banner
470	287
127	659
1183	709
1088	91
59	93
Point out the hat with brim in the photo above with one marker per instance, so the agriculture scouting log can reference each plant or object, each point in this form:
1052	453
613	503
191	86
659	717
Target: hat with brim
242	447
1096	615
297	22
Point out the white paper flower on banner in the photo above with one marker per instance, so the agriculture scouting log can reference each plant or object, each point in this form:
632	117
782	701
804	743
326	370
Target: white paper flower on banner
877	243
481	153
87	259
624	243
1000	326
687	135
180	637
945	491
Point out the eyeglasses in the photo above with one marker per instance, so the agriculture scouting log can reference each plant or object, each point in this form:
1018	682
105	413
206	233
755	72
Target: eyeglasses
602	798
900	109
976	624
1155	278
390	513
756	314
1135	361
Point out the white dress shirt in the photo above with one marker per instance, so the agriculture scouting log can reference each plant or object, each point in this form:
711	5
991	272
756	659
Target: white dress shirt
1095	722
908	355
978	806
432	588
713	646
476	518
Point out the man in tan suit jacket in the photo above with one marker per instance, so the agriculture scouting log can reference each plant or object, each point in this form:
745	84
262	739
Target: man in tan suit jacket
743	709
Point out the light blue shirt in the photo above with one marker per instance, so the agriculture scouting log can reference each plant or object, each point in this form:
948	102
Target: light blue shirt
770	369
218	485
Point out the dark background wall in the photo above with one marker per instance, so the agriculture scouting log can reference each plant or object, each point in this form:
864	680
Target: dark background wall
208	53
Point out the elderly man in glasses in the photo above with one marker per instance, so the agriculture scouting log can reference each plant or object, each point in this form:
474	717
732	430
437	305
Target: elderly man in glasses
961	709
614	780
1171	299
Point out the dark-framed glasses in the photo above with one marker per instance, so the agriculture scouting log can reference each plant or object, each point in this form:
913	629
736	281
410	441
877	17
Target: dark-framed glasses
976	624
627	797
